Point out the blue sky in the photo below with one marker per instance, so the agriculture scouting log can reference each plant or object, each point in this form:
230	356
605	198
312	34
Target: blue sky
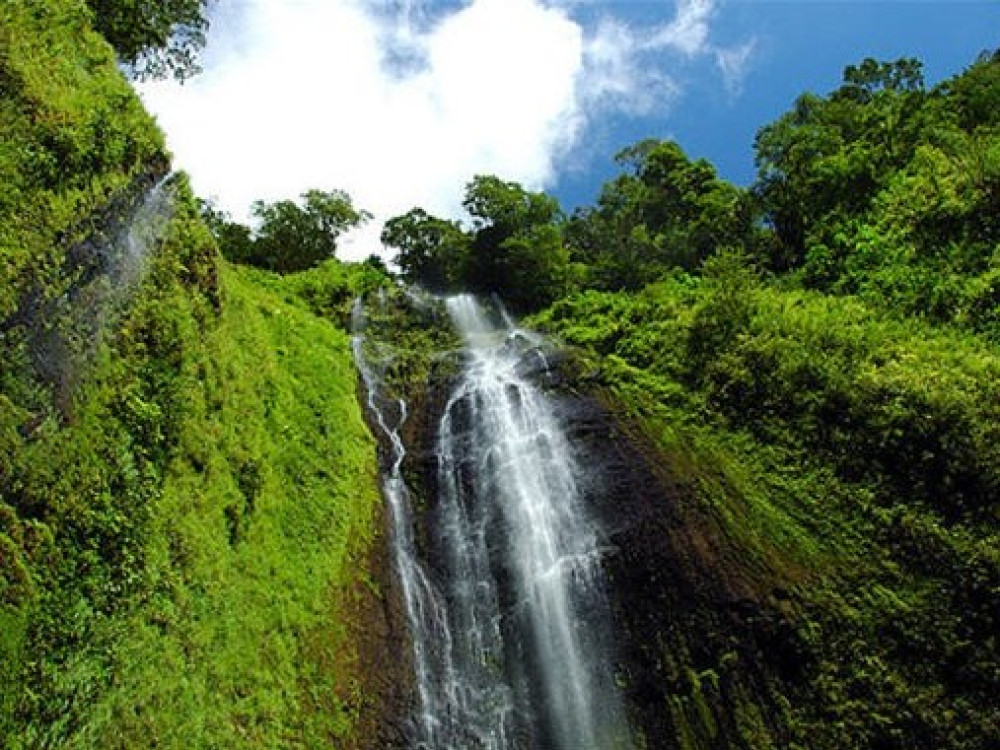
798	46
401	102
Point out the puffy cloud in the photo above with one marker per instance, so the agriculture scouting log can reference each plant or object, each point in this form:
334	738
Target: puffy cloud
614	76
401	103
634	69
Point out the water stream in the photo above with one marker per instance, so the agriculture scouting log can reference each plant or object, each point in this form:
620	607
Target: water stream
507	613
425	608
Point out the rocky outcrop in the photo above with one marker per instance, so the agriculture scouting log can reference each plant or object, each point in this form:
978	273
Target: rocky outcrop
381	664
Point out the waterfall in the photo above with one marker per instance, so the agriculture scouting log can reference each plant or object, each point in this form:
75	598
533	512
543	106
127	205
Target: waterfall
507	611
96	279
425	609
145	229
509	478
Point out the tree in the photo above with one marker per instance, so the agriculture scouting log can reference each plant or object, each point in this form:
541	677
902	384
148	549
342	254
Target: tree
154	39
506	208
829	156
235	240
376	263
287	237
862	82
535	268
975	95
665	211
432	252
293	238
685	207
517	245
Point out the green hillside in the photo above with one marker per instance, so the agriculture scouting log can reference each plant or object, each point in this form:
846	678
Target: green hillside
818	367
188	493
191	534
842	470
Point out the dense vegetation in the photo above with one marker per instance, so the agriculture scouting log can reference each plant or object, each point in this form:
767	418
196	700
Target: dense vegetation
514	247
851	461
188	494
883	189
827	362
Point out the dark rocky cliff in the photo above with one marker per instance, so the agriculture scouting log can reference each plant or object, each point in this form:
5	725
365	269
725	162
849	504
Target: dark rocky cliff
381	663
753	604
701	633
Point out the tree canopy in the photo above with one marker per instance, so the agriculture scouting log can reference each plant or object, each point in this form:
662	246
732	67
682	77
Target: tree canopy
517	243
881	188
432	252
830	155
664	211
514	246
288	236
154	39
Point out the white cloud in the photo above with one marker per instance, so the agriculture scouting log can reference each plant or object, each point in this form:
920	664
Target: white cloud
688	31
634	69
401	103
733	63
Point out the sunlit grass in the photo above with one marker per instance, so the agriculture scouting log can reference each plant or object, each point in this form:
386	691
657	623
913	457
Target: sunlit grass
248	584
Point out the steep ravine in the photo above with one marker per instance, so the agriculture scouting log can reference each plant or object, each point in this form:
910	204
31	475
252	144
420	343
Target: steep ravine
194	552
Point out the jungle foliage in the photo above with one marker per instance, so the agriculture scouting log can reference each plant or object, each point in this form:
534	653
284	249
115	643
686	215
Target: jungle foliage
816	358
817	355
188	492
514	247
824	369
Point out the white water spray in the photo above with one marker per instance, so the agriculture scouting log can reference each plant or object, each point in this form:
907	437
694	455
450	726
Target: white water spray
509	624
513	471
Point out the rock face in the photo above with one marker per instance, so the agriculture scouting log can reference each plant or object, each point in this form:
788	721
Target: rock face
383	666
691	621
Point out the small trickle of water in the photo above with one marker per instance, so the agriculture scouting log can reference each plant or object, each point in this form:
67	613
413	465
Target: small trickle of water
431	638
100	275
143	233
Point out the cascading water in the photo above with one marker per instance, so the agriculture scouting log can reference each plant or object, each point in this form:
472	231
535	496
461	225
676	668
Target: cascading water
524	559
97	278
425	609
507	613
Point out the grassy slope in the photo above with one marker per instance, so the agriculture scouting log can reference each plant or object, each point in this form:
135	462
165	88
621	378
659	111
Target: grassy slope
265	518
186	485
